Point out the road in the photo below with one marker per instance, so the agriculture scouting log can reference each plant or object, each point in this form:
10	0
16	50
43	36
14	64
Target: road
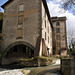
47	70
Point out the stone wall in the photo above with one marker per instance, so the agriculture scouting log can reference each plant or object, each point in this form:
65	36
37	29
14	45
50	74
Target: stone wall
31	24
36	62
68	66
60	38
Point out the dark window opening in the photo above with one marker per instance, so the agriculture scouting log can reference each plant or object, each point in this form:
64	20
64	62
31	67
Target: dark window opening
48	39
45	23
24	49
45	35
57	23
15	49
57	30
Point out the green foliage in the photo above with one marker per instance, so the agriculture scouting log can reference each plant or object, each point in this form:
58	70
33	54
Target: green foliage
1	16
71	48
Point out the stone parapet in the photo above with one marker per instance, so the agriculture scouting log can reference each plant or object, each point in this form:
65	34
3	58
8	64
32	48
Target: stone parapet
68	66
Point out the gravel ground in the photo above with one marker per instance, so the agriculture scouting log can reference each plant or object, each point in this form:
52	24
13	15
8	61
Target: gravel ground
11	72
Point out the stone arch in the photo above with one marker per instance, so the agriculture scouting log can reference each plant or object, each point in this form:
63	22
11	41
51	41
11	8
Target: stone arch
18	44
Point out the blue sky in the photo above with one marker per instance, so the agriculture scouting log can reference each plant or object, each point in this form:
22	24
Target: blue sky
1	3
54	8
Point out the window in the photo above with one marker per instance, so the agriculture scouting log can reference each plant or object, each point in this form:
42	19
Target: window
15	49
48	29
24	49
20	19
48	39
57	23
45	35
45	23
21	7
57	30
19	33
58	37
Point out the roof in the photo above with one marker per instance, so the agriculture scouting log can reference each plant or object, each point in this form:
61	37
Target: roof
58	18
47	10
3	6
45	4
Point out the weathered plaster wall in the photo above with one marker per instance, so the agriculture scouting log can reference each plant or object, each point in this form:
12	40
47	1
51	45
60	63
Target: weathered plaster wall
46	28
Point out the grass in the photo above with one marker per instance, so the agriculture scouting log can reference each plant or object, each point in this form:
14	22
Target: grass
24	59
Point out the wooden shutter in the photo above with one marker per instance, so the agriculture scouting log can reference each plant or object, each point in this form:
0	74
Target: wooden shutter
21	7
20	19
19	33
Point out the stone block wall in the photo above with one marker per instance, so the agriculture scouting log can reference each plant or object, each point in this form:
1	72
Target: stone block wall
68	66
31	22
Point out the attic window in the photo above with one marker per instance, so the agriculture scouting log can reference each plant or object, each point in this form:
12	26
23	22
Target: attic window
21	7
57	23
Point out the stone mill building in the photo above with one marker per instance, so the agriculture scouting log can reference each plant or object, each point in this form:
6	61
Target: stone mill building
27	29
59	35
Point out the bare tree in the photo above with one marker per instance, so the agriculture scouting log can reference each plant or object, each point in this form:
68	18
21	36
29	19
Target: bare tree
68	4
70	41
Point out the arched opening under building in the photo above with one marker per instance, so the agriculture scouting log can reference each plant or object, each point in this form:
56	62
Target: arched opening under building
20	50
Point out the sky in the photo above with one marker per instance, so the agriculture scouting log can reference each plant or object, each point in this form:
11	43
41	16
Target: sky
1	3
55	10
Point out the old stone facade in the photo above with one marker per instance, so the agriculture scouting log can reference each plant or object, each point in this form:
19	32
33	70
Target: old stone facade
59	35
27	29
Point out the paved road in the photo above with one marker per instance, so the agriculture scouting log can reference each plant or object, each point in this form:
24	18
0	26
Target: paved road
48	70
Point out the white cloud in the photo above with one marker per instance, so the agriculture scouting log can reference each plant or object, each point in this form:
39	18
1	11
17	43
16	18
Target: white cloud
55	10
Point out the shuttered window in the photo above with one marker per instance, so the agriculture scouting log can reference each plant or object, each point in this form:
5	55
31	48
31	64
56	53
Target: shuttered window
20	19
19	33
21	7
